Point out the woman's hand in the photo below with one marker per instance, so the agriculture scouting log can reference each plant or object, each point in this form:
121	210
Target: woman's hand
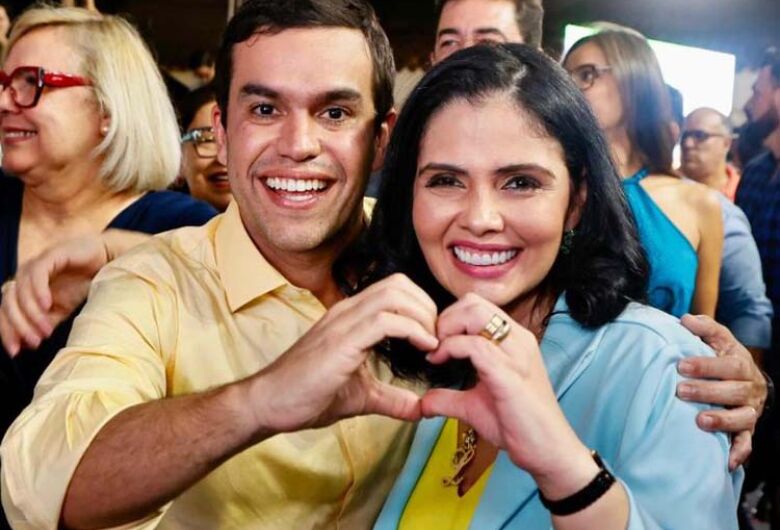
47	289
513	404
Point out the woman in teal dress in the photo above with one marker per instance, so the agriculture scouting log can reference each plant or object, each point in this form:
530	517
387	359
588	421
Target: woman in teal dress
679	222
505	208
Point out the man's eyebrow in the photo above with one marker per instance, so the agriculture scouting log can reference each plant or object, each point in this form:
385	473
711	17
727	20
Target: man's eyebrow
257	89
348	95
447	31
490	31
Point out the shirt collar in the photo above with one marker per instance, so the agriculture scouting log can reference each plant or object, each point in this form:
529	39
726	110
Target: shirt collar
244	271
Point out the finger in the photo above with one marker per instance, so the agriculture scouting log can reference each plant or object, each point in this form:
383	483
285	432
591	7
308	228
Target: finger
390	325
467	316
394	297
31	310
728	420
728	367
727	393
444	402
392	401
741	447
489	360
8	336
16	319
717	337
40	278
417	292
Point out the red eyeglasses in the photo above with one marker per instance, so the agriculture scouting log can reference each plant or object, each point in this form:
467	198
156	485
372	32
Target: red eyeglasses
27	83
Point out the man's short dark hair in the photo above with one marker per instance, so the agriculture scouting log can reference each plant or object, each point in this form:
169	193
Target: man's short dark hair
529	17
273	16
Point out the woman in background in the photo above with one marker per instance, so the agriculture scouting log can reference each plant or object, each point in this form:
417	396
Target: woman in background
679	222
202	175
88	134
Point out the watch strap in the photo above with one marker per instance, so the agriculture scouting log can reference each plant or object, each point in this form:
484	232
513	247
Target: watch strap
584	497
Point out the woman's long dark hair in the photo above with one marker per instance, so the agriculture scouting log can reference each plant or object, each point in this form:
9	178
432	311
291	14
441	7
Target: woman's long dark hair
606	267
647	106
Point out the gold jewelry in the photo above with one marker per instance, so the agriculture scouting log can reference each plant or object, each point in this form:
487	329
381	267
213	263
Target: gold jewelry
496	329
464	454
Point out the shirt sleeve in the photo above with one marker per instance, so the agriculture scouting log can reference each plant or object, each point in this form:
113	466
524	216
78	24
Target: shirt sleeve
661	434
112	362
743	306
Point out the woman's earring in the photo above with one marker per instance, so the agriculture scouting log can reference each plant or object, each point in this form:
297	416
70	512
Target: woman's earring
104	130
567	242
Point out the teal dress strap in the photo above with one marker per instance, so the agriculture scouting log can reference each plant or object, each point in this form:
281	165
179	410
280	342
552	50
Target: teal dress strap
673	260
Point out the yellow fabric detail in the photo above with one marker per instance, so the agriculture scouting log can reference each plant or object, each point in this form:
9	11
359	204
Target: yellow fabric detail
190	310
431	505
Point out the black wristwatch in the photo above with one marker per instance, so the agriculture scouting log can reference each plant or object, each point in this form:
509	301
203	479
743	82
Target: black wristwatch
586	496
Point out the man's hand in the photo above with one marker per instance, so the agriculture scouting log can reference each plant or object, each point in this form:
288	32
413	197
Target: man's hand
47	290
325	377
731	379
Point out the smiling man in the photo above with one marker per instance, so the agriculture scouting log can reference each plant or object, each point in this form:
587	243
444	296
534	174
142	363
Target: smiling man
192	382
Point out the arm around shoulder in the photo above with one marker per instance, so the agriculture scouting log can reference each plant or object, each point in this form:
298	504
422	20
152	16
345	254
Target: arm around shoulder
675	474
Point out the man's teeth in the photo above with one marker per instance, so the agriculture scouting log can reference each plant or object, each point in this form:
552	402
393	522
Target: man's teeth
296	185
483	259
19	134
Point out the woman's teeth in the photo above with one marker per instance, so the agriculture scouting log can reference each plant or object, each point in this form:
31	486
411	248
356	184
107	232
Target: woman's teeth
483	259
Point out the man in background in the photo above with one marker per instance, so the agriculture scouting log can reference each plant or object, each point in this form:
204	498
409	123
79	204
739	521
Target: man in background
759	196
464	23
743	306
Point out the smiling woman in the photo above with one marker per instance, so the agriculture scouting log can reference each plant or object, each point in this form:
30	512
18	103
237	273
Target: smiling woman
80	95
559	405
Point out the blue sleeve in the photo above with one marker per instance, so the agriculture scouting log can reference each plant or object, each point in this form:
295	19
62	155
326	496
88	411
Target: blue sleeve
660	434
743	306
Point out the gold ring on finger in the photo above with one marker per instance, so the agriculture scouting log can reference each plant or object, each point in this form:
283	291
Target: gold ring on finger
496	329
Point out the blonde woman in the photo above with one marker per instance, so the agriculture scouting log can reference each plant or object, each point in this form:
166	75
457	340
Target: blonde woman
88	133
679	222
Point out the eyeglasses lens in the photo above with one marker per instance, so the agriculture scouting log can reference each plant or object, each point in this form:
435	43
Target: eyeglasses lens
24	84
205	143
584	76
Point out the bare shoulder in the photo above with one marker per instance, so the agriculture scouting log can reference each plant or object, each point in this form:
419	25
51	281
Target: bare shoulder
684	193
703	198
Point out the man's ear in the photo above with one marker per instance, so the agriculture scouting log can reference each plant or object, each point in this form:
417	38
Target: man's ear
220	134
728	140
576	206
382	138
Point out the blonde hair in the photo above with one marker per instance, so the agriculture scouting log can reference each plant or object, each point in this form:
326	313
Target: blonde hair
140	151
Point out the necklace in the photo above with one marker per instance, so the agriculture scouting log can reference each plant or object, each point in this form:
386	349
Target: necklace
464	454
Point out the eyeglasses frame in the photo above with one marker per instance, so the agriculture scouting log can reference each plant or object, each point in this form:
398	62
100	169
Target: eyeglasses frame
708	135
43	79
598	70
193	135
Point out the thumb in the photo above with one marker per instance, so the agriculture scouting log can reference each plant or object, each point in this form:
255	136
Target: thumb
443	402
392	401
